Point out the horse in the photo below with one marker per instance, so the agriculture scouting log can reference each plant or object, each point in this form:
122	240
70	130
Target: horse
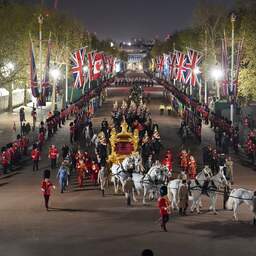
150	182
174	186
198	187
237	197
120	171
87	135
95	140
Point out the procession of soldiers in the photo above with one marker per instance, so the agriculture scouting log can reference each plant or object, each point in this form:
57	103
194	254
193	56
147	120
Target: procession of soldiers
87	158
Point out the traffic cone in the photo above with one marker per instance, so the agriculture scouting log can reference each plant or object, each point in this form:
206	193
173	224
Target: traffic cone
14	127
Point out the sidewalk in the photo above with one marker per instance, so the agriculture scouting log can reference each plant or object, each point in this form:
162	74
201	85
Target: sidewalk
7	120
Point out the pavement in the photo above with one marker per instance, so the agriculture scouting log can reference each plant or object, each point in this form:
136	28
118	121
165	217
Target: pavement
7	121
82	222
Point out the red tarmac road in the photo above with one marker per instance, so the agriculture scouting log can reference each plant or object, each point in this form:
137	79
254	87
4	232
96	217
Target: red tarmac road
84	223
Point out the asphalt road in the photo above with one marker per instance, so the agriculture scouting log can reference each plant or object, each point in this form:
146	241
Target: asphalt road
83	223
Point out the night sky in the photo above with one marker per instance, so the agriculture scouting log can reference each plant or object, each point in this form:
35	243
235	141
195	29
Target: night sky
124	19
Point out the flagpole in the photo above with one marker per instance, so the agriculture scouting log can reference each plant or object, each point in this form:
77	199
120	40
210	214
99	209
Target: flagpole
40	22
205	80
233	19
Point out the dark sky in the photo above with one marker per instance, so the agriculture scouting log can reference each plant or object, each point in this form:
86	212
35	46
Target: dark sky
123	19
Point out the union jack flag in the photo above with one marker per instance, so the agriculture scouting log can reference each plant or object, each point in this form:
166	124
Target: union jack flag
172	60
194	58
108	63
77	63
33	73
180	69
160	64
46	81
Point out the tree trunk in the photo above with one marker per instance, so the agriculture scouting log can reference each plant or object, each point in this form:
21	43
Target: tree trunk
10	105
25	95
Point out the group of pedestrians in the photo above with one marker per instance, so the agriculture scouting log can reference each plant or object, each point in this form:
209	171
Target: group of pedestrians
137	81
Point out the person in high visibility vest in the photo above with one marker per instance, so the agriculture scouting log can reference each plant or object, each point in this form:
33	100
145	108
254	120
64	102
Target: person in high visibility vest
53	154
169	109
162	108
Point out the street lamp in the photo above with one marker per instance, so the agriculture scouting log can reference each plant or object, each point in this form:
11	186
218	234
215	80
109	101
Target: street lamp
55	74
217	74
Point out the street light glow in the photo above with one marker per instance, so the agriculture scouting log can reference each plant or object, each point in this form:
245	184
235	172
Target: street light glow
7	69
55	73
217	73
85	69
197	70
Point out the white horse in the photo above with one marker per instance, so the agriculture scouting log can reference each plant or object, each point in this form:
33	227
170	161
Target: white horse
95	140
213	184
174	186
151	182
120	171
237	197
87	135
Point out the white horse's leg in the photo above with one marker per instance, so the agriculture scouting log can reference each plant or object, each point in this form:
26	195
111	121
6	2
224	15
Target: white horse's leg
115	185
213	202
144	195
235	210
175	199
133	196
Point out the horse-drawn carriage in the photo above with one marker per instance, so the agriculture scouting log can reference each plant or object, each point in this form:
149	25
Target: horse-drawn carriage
122	144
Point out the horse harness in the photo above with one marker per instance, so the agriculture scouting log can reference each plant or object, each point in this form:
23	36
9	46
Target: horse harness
208	186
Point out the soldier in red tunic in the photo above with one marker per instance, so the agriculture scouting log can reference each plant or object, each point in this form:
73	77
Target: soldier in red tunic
35	155
94	172
80	168
4	160
192	168
46	186
163	204
184	160
53	154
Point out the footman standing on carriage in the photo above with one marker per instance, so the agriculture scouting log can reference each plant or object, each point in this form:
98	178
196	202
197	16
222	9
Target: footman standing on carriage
163	204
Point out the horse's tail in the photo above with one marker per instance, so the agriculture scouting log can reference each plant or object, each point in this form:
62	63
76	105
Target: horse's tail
231	201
